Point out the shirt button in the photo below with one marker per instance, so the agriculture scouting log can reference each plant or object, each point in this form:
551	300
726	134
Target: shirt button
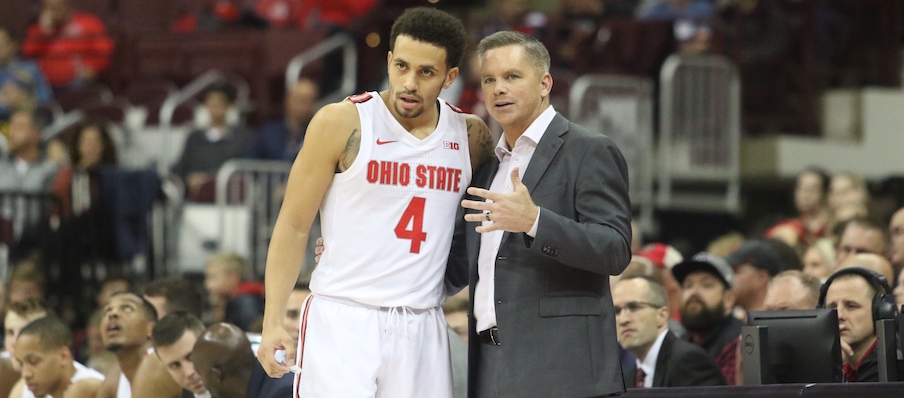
493	310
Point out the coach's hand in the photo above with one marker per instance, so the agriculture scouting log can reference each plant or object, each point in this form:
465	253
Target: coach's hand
274	339
514	211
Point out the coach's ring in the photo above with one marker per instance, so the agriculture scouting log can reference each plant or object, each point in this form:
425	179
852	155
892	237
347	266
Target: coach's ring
487	214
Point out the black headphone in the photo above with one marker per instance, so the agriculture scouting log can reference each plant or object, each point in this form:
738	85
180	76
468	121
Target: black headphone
884	306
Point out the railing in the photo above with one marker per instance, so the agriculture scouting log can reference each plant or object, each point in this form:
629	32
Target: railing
700	133
621	107
259	187
342	42
21	214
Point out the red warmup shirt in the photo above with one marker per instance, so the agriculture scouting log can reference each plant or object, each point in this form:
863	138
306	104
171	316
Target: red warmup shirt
82	41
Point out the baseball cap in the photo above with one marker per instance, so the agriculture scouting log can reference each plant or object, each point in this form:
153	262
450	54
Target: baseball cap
758	254
707	262
661	255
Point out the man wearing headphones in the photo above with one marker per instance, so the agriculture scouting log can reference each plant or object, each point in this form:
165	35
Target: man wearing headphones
861	297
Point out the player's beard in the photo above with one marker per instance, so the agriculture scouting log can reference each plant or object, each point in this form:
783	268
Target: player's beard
405	113
114	347
703	320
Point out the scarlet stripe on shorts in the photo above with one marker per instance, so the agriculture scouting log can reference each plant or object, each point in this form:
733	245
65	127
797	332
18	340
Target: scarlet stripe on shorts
301	338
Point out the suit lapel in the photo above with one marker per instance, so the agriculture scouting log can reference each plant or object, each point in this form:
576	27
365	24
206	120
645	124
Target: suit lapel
546	150
662	359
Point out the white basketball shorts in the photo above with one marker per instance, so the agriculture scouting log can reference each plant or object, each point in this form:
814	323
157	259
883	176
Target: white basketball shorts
349	350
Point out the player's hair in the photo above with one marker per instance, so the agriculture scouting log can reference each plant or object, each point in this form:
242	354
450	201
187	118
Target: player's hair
171	328
535	51
27	308
50	330
150	313
180	295
432	26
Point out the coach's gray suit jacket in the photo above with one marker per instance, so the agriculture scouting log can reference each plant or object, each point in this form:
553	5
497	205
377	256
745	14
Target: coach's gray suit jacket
553	304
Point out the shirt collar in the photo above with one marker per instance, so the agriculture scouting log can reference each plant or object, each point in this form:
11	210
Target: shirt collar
532	135
649	363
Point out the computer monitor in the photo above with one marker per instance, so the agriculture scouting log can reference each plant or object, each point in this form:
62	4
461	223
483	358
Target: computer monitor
802	346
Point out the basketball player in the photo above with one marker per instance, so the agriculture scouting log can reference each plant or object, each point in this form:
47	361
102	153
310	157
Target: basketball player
48	369
387	171
126	331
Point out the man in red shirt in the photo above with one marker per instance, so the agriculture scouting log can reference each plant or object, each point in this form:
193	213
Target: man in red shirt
70	46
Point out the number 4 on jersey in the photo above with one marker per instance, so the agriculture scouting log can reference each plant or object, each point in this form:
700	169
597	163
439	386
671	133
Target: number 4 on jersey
414	215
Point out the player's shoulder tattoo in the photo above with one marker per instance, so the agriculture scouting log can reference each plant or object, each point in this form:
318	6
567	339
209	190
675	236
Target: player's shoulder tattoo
481	140
351	150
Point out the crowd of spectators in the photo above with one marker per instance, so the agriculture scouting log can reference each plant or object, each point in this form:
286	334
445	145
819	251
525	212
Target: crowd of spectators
690	310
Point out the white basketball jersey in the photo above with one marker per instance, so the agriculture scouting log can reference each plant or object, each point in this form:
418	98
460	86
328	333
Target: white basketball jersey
81	373
388	220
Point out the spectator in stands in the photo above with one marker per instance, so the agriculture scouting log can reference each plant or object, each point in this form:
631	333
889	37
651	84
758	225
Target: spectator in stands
896	231
693	23
112	283
663	360
126	326
871	261
155	376
707	302
819	259
861	236
83	233
17	91
753	264
26	169
811	194
27	282
224	359
173	294
234	299
847	188
792	290
48	366
852	293
173	337
72	47
282	139
512	15
9	62
206	149
899	289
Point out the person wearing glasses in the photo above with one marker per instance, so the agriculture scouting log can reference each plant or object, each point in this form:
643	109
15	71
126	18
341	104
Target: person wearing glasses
663	360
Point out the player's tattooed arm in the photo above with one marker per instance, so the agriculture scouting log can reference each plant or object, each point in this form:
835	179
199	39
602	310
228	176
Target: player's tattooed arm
480	142
351	150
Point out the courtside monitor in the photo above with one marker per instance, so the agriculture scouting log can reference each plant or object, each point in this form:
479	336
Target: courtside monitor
801	346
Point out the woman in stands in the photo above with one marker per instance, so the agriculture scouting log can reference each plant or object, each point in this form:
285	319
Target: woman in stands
83	232
814	218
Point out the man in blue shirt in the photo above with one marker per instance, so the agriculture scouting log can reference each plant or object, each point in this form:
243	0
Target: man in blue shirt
9	62
282	139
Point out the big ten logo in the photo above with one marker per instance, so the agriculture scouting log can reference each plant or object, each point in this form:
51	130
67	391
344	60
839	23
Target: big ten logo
450	145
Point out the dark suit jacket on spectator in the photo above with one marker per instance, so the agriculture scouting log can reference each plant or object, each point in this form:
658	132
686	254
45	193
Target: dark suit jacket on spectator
681	364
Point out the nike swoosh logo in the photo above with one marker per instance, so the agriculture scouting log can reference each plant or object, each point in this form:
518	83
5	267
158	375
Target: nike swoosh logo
385	142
